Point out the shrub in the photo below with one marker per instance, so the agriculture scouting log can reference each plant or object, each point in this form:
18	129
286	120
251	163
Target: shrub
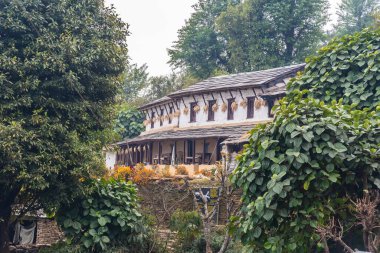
182	170
105	218
347	68
188	225
299	170
138	175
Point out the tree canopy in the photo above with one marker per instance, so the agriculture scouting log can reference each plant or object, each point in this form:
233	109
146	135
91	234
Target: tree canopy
265	34
355	15
60	67
304	168
199	48
236	36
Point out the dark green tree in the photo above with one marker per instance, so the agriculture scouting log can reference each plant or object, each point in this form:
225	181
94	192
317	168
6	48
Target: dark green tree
261	34
199	48
60	62
135	81
355	15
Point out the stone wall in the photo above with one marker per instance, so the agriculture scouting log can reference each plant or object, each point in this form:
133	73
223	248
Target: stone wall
48	232
161	198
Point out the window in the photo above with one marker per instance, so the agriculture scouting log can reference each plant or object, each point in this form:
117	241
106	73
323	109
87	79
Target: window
161	118
193	114
230	114
270	103
211	113
152	118
170	114
250	107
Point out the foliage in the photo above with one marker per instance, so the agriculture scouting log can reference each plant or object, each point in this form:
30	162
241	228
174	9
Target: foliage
139	175
60	67
301	169
107	217
181	170
135	81
263	34
236	36
129	122
355	15
347	68
160	86
188	225
190	238
199	48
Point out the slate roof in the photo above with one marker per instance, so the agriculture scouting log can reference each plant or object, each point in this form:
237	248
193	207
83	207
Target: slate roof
232	131
241	80
156	102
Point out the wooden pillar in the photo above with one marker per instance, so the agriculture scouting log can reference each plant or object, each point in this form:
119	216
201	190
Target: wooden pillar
159	153
204	152
194	142
175	152
151	153
124	156
184	152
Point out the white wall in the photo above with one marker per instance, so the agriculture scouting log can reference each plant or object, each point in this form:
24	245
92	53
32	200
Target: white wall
240	115
110	159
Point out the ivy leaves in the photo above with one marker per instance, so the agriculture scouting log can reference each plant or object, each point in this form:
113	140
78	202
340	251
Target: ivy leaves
347	68
129	122
293	169
104	218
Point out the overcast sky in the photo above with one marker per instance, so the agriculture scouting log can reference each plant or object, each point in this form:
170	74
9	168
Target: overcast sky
154	25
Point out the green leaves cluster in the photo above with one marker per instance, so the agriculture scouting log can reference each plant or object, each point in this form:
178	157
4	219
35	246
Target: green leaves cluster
303	168
347	68
60	67
236	36
129	122
107	217
296	171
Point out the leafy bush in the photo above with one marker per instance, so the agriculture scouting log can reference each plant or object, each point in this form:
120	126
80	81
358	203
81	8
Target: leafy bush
188	225
347	68
129	122
297	171
105	218
182	170
138	175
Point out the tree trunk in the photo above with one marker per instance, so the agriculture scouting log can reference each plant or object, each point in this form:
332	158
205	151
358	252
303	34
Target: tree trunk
5	216
207	234
226	242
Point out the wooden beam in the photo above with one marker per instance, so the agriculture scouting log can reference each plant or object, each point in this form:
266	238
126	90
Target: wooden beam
221	96
254	92
241	94
183	101
212	95
195	99
232	96
176	104
204	100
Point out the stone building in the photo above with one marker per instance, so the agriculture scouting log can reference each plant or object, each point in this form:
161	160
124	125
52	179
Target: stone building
191	127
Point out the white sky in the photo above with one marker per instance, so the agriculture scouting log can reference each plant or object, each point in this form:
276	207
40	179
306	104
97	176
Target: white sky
154	25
